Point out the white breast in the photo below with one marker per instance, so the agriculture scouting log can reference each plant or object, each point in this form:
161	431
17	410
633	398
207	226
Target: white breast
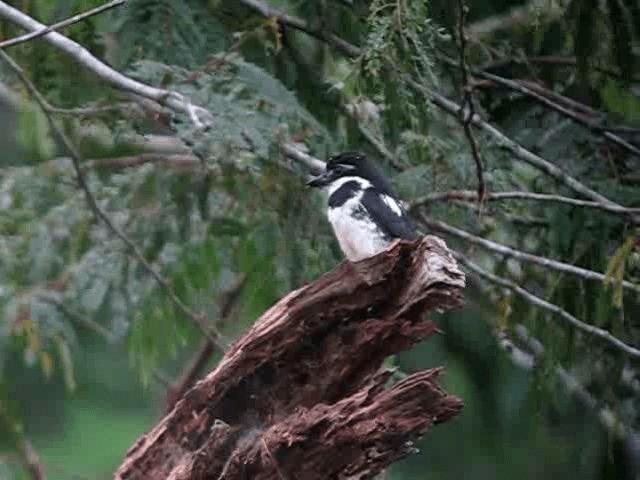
358	238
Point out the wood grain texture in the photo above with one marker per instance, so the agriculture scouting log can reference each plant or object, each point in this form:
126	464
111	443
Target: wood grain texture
302	394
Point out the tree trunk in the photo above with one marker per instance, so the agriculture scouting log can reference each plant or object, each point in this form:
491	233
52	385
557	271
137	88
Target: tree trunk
302	394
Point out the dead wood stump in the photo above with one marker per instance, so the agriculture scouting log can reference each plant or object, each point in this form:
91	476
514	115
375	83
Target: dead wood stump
301	395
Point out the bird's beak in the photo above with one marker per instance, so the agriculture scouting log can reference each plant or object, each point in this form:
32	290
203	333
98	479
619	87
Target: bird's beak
322	180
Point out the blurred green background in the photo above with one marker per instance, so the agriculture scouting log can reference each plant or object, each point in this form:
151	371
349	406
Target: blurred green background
89	344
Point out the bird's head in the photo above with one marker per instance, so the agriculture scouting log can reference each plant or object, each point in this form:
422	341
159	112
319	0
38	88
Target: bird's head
350	164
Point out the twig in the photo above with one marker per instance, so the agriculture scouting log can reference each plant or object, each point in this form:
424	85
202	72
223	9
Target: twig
28	455
579	119
554	60
31	459
369	136
300	24
62	24
86	111
535	300
169	98
520	195
177	390
516	16
528	359
310	162
522	256
197	318
606	416
180	161
79	318
467	110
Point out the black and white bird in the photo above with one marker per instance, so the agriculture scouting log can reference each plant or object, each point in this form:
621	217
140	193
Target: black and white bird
365	213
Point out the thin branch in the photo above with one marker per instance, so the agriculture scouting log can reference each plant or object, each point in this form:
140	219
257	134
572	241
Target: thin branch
521	195
468	106
533	355
177	390
79	318
65	23
568	61
600	333
174	100
606	416
197	318
520	255
512	146
28	455
31	459
300	24
314	164
579	119
352	111
88	111
515	17
178	161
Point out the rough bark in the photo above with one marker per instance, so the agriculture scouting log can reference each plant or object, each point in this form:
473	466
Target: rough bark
301	395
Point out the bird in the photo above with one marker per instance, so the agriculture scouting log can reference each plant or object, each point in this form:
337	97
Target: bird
364	211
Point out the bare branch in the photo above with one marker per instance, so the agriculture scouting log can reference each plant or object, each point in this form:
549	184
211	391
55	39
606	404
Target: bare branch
520	195
79	318
177	390
314	164
568	61
171	99
28	455
468	107
352	111
300	24
534	354
600	333
177	161
197	318
515	17
579	119
606	416
522	256
62	24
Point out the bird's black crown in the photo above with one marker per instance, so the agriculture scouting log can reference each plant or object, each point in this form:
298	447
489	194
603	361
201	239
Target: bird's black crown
352	164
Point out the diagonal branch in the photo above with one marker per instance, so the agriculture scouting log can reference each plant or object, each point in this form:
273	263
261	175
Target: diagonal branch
534	353
600	333
65	23
520	255
300	24
169	98
579	119
522	195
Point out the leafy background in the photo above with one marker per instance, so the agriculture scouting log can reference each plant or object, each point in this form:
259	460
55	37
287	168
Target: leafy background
89	343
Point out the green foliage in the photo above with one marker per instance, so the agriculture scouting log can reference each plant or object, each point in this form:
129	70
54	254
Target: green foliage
68	287
401	38
253	110
176	33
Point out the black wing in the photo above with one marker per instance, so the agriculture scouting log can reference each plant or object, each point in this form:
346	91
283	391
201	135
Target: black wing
388	214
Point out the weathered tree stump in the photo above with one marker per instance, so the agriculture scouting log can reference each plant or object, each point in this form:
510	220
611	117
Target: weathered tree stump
301	395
